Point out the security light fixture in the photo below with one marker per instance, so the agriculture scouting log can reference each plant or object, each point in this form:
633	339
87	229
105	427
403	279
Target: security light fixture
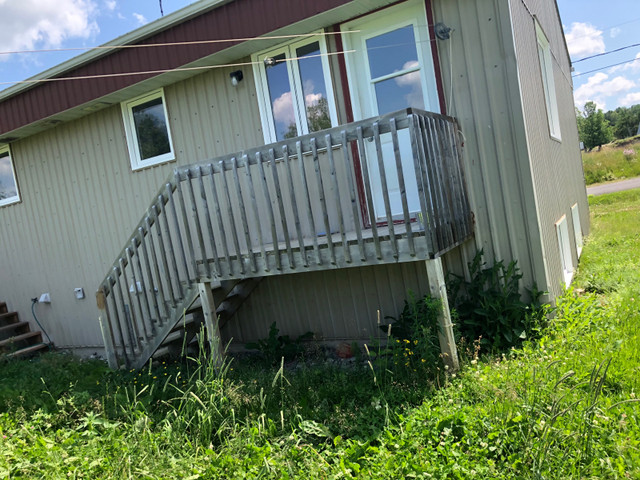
236	77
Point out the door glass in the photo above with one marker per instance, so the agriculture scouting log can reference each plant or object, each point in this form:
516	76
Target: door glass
281	99
392	52
7	180
313	87
399	92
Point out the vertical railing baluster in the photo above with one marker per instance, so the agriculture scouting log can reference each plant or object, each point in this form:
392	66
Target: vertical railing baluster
232	219
305	190
338	200
445	160
418	160
207	216
198	228
110	284
153	290
283	215
126	312
243	213
185	223
403	187
433	181
367	186
294	204
176	223
269	206
349	168
323	201
161	299
221	229
256	212
146	311
174	260
110	346
466	209
439	182
136	319
385	188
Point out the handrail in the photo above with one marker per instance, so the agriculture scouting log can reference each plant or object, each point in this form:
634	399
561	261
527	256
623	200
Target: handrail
291	206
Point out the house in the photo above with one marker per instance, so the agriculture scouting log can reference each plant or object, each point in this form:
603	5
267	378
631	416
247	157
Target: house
195	165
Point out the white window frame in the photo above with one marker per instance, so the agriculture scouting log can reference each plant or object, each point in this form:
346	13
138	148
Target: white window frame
564	246
137	163
548	83
16	198
299	107
577	229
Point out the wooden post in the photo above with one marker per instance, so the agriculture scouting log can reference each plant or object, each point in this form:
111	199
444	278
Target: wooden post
438	290
211	321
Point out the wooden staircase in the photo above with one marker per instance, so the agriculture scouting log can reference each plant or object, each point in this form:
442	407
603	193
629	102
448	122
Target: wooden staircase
16	337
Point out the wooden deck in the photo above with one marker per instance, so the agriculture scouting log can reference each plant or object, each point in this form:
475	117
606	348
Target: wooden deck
242	216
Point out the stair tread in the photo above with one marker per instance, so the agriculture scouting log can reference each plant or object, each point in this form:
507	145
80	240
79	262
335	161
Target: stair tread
12	326
28	350
18	338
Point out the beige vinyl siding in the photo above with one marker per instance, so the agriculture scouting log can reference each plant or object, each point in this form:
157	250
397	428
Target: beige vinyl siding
81	201
479	58
556	165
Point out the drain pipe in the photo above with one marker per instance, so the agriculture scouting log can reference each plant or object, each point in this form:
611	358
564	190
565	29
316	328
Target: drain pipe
33	312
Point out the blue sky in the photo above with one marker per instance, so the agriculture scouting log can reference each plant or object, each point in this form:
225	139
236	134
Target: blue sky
596	26
592	27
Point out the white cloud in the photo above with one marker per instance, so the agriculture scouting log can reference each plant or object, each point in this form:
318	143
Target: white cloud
110	4
413	97
28	24
599	88
614	32
584	39
283	109
630	99
140	18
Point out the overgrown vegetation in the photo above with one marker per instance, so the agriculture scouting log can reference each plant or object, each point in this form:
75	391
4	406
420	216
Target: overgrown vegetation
564	407
618	160
489	306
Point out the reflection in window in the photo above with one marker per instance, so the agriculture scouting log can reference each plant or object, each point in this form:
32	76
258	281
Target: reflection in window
296	90
147	128
8	184
151	129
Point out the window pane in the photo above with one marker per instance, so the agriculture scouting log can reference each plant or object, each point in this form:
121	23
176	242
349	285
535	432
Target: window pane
151	129
281	99
313	87
8	188
399	92
392	52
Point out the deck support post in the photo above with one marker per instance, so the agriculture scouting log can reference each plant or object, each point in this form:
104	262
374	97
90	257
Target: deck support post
438	290
211	321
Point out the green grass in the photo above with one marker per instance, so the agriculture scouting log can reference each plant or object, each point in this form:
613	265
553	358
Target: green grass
564	408
611	163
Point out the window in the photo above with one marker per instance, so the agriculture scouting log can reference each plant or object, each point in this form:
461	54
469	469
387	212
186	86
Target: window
548	85
147	130
294	88
577	228
8	184
565	249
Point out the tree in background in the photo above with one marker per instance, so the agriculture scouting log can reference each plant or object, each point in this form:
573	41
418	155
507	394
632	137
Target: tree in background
624	121
593	128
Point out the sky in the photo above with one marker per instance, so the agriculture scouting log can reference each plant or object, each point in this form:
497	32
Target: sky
591	26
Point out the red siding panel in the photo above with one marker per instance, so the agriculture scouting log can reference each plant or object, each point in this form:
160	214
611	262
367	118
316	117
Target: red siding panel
240	18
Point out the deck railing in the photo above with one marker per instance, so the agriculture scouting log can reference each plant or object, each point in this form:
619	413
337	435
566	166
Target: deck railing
386	189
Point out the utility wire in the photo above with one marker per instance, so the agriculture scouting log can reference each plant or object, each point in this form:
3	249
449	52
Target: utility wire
155	72
607	53
608	66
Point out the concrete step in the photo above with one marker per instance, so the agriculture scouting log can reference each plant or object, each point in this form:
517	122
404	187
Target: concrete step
13	329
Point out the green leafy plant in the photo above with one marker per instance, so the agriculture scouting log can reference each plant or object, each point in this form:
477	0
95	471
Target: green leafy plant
275	346
490	306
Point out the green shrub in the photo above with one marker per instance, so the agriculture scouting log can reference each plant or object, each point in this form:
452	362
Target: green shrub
275	346
490	306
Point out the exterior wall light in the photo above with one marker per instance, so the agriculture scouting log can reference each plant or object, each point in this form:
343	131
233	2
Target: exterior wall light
236	77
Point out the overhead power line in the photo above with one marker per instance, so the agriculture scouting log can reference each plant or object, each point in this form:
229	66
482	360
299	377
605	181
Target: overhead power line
607	53
608	66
